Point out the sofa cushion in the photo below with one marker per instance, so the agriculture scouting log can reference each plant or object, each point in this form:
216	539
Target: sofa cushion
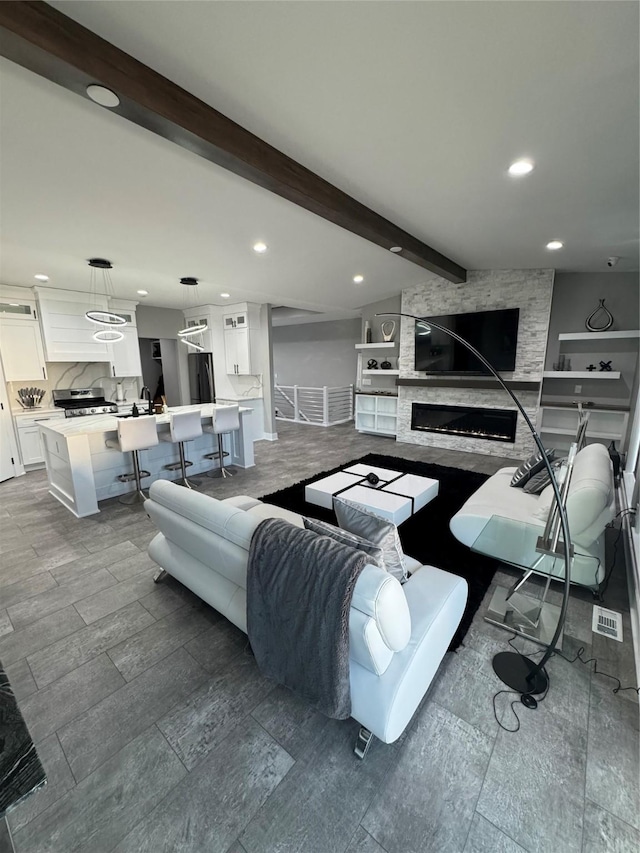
531	466
261	511
344	537
231	523
355	518
538	483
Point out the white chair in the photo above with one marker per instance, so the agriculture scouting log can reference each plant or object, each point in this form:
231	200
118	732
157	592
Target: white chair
225	419
183	426
134	434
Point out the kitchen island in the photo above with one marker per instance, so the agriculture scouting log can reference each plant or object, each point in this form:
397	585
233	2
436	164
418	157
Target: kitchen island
82	470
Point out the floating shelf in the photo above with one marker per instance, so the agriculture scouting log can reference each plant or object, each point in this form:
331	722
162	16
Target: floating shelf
381	372
581	374
561	431
598	336
382	345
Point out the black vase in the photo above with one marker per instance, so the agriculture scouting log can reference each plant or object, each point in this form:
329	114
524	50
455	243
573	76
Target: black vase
615	459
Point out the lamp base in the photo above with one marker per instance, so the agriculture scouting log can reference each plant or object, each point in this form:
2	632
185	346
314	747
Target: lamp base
515	671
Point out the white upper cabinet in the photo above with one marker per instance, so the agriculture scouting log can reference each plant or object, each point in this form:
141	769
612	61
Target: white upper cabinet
200	316
20	340
68	335
125	354
241	326
22	351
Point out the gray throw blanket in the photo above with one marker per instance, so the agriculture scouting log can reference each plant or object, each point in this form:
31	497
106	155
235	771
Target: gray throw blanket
299	590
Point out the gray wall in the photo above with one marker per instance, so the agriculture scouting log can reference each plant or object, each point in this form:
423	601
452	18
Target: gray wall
316	354
158	322
164	323
575	296
392	305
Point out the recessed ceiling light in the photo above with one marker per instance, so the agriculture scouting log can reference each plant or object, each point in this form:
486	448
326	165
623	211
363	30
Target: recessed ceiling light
555	244
521	167
103	96
225	295
358	278
142	292
260	247
395	249
41	277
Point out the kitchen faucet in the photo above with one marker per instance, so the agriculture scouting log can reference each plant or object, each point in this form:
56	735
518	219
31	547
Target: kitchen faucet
150	410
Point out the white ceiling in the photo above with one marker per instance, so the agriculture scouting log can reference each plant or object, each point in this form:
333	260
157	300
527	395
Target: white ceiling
416	109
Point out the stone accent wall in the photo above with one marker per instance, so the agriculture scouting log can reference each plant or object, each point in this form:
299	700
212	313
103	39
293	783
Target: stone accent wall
485	290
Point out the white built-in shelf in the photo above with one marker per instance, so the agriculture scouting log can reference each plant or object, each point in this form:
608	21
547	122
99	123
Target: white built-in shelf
598	336
579	374
590	433
381	345
384	372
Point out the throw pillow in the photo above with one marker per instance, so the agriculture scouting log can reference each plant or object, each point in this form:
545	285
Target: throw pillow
373	552
356	519
533	464
536	484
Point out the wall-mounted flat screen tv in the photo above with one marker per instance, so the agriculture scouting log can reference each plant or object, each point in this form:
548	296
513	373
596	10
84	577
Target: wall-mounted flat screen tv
492	333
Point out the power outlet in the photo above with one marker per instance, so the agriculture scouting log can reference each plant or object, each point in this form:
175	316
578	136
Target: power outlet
366	381
577	389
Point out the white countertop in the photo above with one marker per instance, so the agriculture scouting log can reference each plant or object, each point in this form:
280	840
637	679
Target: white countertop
37	412
109	423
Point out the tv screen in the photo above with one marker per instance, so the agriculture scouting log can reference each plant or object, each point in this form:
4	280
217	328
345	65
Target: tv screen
492	333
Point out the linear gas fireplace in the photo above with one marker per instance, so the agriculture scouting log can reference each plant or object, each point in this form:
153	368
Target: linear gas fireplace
465	421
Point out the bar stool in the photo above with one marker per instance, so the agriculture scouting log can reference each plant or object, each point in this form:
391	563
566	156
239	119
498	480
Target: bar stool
183	426
134	434
225	419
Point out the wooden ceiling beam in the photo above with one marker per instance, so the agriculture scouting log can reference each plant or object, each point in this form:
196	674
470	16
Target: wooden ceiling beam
42	39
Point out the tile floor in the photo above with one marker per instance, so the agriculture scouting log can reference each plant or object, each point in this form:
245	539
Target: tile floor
159	734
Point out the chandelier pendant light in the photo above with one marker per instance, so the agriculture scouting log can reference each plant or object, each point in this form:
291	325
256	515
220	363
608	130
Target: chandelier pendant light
191	335
100	316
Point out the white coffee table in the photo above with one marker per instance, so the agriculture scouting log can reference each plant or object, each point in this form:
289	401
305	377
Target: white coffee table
396	497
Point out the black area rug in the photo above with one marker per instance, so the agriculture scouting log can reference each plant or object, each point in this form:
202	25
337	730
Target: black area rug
20	768
426	535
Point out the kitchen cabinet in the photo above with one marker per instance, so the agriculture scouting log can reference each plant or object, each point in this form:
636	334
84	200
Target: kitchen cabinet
29	437
238	319
67	334
125	354
200	316
239	352
241	326
21	348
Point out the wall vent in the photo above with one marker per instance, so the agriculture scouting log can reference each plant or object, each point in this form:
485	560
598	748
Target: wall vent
607	622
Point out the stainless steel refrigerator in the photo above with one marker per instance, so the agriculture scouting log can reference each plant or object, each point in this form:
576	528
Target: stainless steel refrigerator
201	385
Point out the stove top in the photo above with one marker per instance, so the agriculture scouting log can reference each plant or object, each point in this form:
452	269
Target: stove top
81	402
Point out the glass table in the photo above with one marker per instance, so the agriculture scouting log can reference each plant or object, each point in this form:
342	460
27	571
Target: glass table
514	543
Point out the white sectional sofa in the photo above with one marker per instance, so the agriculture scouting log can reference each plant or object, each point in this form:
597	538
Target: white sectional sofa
590	507
398	633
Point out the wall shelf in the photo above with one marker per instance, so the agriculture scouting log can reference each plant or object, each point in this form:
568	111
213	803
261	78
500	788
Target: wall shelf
598	336
581	374
381	372
381	345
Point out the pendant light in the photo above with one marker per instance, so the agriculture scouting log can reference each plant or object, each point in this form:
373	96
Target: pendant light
191	335
101	317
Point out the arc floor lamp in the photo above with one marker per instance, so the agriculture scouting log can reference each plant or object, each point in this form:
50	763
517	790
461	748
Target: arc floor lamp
517	671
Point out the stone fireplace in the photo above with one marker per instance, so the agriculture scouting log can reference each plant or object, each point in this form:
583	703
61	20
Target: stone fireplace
465	421
461	398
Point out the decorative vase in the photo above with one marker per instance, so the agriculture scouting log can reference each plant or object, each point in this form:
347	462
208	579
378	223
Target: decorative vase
367	332
388	329
601	316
